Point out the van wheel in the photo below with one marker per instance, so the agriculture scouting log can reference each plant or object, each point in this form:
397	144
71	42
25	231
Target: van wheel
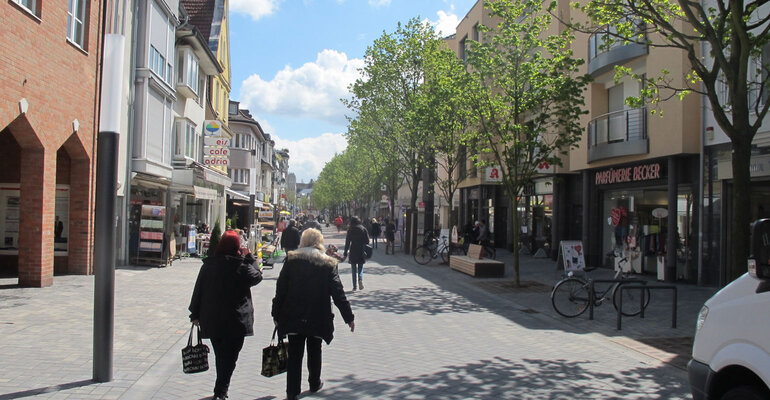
745	393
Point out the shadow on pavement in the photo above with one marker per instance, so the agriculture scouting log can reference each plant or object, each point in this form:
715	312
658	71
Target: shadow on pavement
47	389
501	378
425	300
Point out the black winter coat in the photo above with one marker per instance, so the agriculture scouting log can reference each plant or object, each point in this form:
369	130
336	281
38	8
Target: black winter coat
376	230
290	238
221	300
307	282
355	240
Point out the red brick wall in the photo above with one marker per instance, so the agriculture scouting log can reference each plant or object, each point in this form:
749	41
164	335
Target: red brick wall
59	82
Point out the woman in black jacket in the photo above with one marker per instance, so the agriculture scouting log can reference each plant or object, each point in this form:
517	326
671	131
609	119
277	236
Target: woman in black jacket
221	304
355	240
302	308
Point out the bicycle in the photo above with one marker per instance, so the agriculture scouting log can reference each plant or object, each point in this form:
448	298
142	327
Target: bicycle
570	297
432	248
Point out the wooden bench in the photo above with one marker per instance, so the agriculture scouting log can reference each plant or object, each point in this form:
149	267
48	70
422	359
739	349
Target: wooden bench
474	265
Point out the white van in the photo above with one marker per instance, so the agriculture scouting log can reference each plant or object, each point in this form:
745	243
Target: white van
731	353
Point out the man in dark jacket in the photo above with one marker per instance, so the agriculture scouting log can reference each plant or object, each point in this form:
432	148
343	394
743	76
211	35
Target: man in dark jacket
311	223
355	240
221	304
302	308
290	236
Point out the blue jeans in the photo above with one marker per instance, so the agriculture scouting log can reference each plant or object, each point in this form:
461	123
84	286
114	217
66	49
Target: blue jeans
358	273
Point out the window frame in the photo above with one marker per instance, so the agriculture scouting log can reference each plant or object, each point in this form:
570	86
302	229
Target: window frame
79	7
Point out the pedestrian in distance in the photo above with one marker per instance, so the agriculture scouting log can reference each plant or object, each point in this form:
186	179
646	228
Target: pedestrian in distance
308	281
355	240
375	234
221	304
312	223
290	236
390	236
338	223
483	237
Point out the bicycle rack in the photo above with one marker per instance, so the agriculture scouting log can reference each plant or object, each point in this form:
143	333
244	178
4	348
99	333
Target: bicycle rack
642	298
592	292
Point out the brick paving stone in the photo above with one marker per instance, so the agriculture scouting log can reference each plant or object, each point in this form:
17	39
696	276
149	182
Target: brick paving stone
422	332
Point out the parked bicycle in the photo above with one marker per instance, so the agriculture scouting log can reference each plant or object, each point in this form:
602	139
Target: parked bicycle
571	296
432	248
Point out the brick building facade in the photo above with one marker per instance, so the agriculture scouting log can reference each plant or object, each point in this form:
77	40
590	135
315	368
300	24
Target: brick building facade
49	52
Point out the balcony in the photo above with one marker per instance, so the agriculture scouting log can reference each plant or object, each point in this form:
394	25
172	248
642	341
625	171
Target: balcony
619	133
604	57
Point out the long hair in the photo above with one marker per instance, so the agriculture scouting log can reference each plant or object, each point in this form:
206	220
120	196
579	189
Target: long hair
229	244
312	238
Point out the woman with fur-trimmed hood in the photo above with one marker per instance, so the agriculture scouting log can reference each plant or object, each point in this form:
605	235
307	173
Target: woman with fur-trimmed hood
302	308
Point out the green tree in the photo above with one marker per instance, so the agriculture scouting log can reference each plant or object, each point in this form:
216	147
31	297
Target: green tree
442	111
735	34
385	95
529	96
216	234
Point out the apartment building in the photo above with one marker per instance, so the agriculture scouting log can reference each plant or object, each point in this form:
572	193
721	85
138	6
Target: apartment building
638	171
48	122
245	167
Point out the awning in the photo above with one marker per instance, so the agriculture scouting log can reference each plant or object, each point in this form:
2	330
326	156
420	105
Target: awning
202	193
235	195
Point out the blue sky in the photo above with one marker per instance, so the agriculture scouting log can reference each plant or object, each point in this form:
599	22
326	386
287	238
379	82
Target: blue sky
292	60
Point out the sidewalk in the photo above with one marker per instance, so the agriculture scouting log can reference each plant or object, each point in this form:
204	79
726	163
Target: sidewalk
422	332
652	335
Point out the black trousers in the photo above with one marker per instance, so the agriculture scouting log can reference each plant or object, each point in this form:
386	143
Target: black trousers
226	350
294	367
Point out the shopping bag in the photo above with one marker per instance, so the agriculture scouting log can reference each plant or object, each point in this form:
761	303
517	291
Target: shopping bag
195	358
275	357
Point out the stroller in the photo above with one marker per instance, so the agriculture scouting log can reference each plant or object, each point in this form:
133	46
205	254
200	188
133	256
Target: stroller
332	250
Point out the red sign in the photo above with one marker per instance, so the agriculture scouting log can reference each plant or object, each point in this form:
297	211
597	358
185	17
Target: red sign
638	173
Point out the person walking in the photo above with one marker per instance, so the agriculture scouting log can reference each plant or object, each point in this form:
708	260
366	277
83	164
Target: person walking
290	236
338	223
302	308
221	304
376	229
390	236
312	223
483	237
354	244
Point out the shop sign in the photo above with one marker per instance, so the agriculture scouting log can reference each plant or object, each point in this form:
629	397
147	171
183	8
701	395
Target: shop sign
266	214
493	174
212	127
216	141
639	173
759	166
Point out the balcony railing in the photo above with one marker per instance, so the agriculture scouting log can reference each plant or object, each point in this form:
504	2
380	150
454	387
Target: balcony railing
604	52
617	134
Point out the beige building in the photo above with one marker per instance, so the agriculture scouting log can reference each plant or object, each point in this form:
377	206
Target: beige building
631	171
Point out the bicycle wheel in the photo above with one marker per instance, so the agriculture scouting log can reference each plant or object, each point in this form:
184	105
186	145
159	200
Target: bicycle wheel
570	297
631	300
422	255
490	252
445	252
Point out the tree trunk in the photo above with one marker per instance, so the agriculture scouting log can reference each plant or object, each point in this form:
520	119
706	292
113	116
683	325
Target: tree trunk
516	230
739	239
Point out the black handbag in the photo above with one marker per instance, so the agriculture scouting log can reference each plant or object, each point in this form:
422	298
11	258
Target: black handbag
275	357
368	251
195	358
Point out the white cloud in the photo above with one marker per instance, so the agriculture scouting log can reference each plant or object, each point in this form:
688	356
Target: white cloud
379	3
312	90
255	8
446	24
308	156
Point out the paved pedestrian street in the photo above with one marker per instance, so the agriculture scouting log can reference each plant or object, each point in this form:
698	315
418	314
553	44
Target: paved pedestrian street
422	332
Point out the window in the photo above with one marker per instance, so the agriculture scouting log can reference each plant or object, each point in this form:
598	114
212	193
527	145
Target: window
76	15
240	176
188	140
29	5
463	56
476	32
188	70
759	73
